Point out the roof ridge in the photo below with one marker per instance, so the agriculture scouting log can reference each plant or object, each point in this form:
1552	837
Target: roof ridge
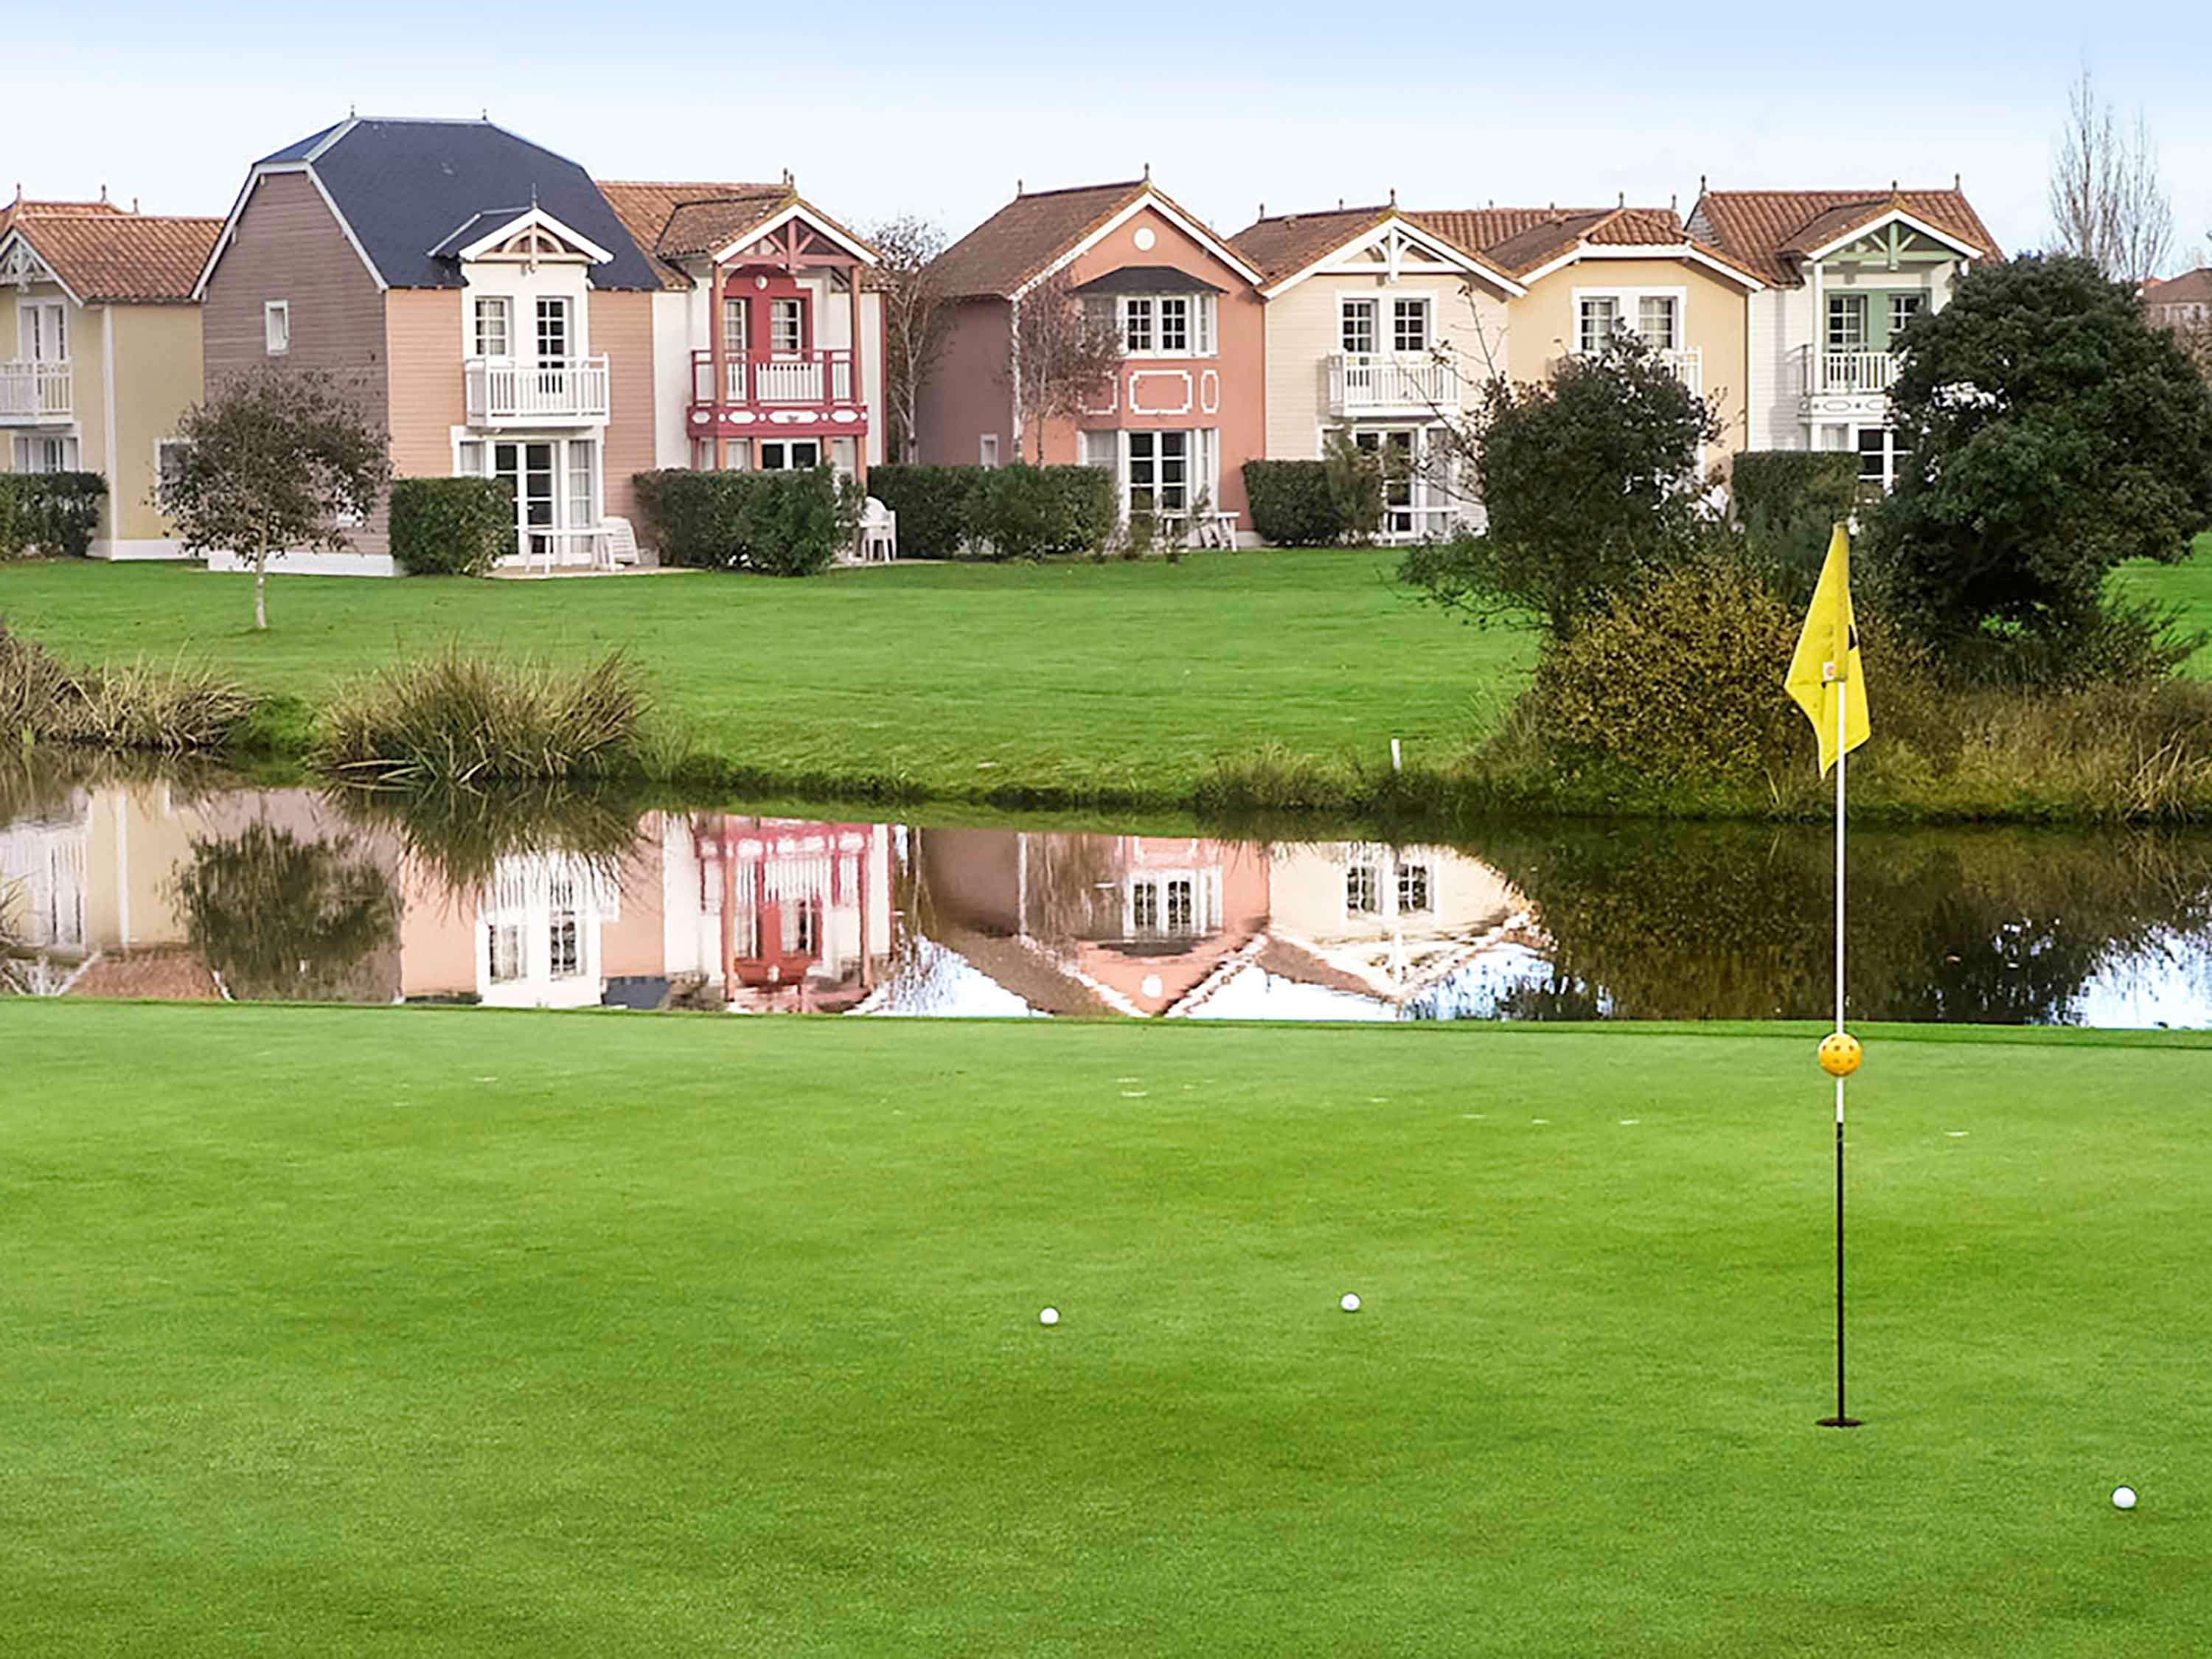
1077	190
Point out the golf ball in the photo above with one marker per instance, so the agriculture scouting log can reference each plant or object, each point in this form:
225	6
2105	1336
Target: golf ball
1049	1316
2124	1498
1350	1303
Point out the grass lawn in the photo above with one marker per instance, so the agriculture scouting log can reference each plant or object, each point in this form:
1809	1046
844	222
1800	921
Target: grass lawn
436	1332
2188	588
1124	680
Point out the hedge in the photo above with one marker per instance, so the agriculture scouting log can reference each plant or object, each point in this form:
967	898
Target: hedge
782	524
451	527
53	513
1292	505
1788	501
1018	512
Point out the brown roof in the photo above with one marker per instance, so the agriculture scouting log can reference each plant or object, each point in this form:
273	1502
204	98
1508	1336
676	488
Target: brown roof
1519	239
103	255
1771	230
9	210
2191	287
646	207
1024	237
1289	242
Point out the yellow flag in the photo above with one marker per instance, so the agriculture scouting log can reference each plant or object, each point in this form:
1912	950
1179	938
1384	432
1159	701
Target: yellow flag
1826	664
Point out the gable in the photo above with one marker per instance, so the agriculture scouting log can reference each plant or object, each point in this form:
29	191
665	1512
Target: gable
1150	237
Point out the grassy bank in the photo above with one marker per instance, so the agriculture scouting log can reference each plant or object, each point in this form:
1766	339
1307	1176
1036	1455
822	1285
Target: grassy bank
406	1331
1122	682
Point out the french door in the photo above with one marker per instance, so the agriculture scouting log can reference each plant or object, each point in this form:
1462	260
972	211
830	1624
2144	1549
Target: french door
529	472
1399	451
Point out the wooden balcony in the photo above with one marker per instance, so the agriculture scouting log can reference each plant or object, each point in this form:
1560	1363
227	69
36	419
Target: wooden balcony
507	392
1831	373
1380	383
794	393
36	393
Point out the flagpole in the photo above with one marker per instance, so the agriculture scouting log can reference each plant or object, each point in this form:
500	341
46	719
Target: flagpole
1841	1419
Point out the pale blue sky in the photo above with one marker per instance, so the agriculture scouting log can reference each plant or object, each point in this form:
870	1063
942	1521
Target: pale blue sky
881	107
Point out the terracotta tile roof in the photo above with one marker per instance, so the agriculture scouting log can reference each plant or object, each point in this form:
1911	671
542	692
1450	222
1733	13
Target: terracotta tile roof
103	255
1519	239
2191	287
1290	242
646	207
1769	230
1026	235
9	210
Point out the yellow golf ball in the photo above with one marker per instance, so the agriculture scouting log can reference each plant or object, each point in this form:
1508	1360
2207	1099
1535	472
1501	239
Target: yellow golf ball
1840	1054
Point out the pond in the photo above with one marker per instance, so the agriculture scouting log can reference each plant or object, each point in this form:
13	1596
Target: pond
181	886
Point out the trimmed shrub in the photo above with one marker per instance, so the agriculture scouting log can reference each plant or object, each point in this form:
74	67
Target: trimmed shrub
451	527
1788	501
934	504
1292	505
782	524
53	513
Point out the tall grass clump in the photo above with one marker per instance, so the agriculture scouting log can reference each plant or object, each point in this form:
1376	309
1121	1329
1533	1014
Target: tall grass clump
459	719
139	706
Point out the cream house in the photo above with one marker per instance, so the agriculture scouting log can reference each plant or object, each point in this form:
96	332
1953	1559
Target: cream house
107	344
1844	273
1381	329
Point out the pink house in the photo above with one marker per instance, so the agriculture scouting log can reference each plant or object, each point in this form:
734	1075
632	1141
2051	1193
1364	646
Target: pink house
1188	406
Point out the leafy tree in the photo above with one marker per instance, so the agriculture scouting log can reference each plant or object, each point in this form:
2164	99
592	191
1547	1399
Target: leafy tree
1065	352
2053	434
283	920
275	460
1590	480
915	313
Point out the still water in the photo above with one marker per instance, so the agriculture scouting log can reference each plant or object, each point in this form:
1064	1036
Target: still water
175	886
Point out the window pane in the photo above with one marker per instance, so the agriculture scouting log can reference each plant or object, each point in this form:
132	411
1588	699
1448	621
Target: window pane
735	339
1654	321
1175	325
1847	322
1599	318
1360	890
1409	326
1359	325
552	329
787	326
1137	326
1874	442
492	339
580	515
1414	887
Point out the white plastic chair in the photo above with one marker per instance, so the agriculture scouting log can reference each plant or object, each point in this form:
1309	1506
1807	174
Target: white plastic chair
618	543
879	533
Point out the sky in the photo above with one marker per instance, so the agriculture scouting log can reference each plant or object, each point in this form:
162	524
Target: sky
882	108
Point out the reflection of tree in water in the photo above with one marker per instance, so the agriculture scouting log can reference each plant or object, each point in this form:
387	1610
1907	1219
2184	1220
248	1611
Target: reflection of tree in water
280	919
461	835
1710	922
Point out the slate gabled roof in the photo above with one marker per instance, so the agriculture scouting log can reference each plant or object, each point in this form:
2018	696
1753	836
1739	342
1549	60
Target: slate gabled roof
402	186
103	255
1771	230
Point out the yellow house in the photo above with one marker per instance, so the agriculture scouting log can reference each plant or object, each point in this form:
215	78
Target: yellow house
106	343
1588	272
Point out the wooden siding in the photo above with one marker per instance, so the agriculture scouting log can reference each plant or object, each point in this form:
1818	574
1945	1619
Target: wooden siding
622	328
427	398
967	393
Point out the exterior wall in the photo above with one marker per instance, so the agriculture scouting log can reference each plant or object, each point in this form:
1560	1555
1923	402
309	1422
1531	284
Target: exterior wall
673	329
427	396
1786	321
1239	363
1305	331
967	393
1542	326
155	354
623	328
288	245
87	344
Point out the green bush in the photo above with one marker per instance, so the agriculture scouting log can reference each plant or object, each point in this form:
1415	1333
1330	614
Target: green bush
451	527
1292	505
935	506
782	524
1788	501
52	512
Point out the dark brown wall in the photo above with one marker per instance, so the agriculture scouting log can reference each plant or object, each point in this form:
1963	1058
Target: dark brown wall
289	246
968	392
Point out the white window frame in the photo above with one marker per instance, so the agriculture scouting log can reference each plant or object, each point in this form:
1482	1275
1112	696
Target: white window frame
1363	882
41	326
46	453
549	307
1138	326
789	308
1412	305
277	327
1674	340
1143	321
1917	299
1628	312
1416	882
1370	309
490	313
737	308
788	446
987	450
1841	305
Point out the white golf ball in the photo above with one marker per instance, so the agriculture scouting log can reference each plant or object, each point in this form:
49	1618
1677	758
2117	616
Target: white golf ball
1049	1316
1350	1303
2124	1498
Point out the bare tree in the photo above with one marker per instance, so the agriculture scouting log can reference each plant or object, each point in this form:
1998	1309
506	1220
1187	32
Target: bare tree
274	460
2108	202
1065	352
914	316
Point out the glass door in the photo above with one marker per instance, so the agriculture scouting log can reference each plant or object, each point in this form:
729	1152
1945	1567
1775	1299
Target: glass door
1397	454
528	470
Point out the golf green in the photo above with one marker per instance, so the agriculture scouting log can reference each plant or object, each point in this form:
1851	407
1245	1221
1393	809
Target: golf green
441	1332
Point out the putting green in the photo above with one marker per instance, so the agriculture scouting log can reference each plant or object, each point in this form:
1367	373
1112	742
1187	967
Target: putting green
429	1332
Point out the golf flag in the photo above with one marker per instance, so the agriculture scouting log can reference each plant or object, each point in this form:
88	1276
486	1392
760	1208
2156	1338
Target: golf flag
1825	664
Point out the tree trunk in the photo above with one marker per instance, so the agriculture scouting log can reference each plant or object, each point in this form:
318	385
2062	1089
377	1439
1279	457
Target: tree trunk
261	594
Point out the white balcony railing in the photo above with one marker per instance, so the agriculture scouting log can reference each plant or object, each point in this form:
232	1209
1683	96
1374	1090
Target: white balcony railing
32	392
503	391
788	378
1362	381
1825	373
1689	367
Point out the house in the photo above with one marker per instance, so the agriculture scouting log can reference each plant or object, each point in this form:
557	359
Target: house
798	354
1384	329
2183	304
1186	406
107	352
1591	272
1843	272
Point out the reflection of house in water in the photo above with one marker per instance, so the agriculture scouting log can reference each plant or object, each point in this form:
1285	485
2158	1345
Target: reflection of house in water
777	913
1085	924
